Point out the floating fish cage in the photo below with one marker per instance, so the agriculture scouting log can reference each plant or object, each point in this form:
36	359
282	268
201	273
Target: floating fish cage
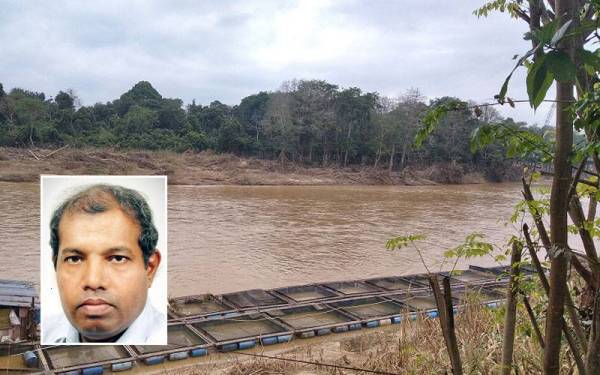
202	324
352	287
397	283
419	303
305	293
471	277
86	359
202	305
373	311
459	278
503	272
254	298
243	332
182	341
313	320
18	358
484	295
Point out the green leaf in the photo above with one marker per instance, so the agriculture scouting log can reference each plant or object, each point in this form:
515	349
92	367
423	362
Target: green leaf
521	61
545	34
561	66
472	247
539	80
504	88
590	60
403	241
431	119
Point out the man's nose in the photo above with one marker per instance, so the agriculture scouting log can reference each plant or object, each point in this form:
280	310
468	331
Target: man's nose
95	274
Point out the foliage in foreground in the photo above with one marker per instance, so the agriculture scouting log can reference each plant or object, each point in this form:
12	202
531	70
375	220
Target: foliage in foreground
413	347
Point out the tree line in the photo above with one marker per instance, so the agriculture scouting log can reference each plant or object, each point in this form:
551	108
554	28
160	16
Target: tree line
312	122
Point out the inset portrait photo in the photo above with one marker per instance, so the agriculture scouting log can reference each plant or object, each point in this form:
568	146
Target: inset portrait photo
103	260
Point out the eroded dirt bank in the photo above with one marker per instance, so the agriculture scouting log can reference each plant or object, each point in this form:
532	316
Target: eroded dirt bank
207	168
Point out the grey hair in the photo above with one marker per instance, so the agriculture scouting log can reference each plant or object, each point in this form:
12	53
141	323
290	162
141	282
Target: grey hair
103	197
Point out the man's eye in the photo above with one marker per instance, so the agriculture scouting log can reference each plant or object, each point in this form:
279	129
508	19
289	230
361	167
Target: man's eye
73	259
118	259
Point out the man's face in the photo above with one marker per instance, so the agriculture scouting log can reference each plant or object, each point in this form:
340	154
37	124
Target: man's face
100	270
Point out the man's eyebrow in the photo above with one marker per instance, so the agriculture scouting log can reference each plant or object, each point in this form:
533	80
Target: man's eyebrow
120	250
71	250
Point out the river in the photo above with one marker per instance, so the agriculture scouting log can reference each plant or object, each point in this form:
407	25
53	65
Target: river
229	238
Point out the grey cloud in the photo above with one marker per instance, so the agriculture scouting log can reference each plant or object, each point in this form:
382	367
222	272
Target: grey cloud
225	50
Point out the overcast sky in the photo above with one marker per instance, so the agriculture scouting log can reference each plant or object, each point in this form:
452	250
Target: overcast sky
226	50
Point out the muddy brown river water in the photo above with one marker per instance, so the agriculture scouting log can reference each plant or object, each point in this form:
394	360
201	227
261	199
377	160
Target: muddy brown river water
230	238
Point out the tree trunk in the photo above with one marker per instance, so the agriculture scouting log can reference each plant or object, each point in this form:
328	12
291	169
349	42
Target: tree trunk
511	310
347	144
377	157
31	134
559	206
592	358
445	313
392	154
403	156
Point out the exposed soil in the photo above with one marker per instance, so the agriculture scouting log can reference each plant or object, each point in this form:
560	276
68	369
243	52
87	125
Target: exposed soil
207	168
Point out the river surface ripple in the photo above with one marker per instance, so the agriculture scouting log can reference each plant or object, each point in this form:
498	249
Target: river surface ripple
229	238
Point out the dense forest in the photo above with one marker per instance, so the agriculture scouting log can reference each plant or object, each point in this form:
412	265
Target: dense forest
311	122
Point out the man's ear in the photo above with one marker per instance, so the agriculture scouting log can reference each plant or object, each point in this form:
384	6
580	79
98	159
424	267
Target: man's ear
152	266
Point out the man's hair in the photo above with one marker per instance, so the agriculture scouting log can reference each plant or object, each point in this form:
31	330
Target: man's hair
103	197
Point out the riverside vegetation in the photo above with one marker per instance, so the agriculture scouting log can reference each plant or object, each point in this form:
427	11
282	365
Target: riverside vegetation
305	123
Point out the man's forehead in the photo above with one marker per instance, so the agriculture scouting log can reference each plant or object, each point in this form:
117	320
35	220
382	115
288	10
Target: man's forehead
113	222
72	216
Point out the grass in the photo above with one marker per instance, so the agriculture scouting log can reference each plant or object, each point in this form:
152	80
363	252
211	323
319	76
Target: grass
412	347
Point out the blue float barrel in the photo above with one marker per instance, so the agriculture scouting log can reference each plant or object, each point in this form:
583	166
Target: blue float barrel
307	334
284	338
98	370
155	360
178	356
31	359
123	366
247	344
229	347
268	340
198	352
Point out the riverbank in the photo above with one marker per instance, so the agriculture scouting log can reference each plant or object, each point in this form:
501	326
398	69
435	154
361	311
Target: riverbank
207	168
412	347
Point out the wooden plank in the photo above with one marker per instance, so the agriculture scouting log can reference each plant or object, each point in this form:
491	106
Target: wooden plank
16	301
12	291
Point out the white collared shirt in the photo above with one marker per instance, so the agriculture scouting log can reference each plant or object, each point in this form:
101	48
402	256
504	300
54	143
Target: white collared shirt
150	327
